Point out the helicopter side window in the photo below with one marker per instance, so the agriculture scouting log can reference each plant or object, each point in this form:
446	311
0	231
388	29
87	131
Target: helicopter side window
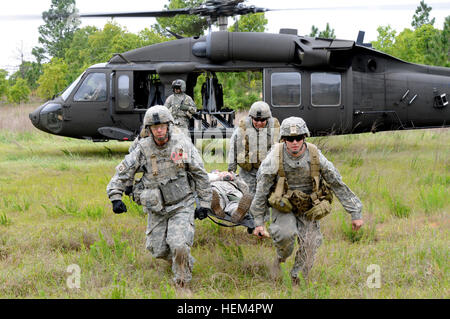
325	89
93	89
286	89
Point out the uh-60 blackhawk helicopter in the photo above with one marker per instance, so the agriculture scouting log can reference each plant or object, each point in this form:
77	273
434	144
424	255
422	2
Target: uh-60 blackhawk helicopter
337	86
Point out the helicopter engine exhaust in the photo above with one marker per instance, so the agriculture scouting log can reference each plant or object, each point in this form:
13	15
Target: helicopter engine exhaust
265	47
247	46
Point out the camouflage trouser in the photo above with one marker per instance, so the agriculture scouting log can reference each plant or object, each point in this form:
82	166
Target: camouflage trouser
249	178
169	234
284	229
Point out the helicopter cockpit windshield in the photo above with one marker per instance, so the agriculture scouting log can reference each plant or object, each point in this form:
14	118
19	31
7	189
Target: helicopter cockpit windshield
65	94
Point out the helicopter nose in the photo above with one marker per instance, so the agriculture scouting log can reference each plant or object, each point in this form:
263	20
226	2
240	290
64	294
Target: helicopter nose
34	116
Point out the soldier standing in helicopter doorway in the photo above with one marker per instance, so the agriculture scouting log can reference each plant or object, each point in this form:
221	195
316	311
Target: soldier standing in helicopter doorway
251	141
181	105
297	181
166	159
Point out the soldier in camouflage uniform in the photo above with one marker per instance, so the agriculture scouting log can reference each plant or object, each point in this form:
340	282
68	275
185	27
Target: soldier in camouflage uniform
300	204
181	105
251	141
230	195
166	160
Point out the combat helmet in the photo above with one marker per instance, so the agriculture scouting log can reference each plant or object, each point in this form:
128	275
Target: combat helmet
180	84
293	126
260	109
158	114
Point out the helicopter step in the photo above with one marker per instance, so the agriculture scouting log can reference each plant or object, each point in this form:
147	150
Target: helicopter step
115	133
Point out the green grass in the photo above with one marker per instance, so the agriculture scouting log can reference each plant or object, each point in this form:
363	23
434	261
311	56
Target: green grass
54	212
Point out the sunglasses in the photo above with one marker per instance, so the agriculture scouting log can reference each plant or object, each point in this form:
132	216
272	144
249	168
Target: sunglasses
259	119
297	138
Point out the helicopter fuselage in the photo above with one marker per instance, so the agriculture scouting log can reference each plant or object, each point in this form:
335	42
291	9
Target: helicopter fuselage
336	86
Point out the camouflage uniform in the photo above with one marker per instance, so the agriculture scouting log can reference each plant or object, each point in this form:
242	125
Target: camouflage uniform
286	227
181	106
168	197
249	146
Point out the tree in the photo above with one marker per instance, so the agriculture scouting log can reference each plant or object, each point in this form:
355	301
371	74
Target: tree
422	16
29	71
57	32
3	83
314	31
256	22
328	33
184	25
91	45
19	92
424	45
445	40
385	39
54	78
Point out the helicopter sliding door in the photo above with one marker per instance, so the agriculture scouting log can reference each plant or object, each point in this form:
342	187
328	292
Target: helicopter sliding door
317	97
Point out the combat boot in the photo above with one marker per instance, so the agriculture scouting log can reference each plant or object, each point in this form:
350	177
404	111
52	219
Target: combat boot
242	209
295	281
215	205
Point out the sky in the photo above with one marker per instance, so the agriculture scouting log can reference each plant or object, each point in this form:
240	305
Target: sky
346	17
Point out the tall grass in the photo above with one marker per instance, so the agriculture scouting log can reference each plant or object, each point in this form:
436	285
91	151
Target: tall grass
54	212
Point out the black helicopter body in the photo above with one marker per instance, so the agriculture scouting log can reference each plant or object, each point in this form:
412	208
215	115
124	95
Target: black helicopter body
336	86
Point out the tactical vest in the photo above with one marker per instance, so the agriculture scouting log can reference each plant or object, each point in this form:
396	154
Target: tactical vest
245	156
315	205
166	171
179	107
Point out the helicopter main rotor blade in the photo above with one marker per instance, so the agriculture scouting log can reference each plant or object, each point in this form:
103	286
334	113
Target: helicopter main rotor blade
361	7
146	14
21	17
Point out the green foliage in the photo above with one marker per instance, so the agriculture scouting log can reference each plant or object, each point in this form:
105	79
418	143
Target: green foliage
328	33
396	205
4	220
3	83
242	89
166	290
57	32
422	16
256	22
53	79
433	198
19	92
424	45
91	45
30	71
185	25
385	39
231	252
119	290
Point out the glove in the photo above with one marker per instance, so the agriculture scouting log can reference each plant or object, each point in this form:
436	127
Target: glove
202	212
128	190
119	207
